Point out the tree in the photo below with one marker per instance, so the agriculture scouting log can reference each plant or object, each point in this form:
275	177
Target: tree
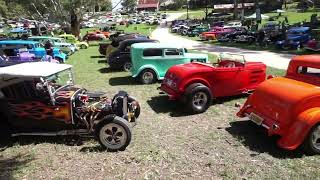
129	5
65	11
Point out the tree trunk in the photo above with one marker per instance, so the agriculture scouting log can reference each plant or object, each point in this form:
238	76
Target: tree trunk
235	10
207	10
75	24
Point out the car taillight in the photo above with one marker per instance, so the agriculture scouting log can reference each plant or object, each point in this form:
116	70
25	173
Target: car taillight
171	80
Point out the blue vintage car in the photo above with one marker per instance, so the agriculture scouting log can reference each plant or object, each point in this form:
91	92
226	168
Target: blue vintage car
295	38
34	48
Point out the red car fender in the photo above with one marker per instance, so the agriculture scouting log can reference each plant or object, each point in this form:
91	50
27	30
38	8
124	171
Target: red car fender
195	81
298	131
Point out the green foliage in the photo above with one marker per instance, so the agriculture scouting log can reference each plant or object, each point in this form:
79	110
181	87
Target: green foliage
129	5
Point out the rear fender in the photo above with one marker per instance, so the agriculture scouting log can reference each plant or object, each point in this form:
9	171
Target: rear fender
298	131
194	83
100	122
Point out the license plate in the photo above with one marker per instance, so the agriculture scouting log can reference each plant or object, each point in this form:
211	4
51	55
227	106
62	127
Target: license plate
169	82
255	118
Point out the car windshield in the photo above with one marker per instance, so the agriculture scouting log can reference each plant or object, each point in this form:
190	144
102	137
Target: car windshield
232	57
60	80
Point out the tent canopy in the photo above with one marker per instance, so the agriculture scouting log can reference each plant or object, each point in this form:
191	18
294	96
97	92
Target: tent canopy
254	16
279	11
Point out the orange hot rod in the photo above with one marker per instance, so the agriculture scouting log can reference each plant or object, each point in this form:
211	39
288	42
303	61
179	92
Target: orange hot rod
289	106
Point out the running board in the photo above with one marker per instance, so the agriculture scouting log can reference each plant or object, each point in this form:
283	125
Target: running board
59	133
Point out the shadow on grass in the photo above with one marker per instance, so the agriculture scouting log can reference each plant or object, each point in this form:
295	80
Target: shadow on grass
97	148
256	139
97	56
223	100
102	61
9	165
161	104
119	81
108	70
27	140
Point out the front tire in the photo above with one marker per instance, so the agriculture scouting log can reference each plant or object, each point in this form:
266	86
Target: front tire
311	144
5	129
114	134
199	99
147	76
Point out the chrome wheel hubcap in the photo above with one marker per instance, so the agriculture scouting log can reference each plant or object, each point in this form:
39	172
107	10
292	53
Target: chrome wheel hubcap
113	135
316	137
147	77
127	66
200	99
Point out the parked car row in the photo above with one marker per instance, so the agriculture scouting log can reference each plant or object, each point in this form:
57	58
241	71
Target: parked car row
48	102
270	34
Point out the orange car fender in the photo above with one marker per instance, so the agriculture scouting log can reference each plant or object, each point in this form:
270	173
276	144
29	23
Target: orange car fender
298	131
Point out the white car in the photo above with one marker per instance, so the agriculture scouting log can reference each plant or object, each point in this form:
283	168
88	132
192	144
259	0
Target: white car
232	24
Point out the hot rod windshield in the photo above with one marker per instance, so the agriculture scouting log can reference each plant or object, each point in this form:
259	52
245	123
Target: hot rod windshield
232	57
60	80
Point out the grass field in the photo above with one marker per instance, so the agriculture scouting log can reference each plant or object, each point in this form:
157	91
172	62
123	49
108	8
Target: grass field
167	143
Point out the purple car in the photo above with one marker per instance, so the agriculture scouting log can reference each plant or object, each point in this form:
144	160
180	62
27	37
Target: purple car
25	56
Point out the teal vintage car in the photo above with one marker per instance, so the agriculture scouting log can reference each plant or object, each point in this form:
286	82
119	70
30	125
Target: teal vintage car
150	61
196	31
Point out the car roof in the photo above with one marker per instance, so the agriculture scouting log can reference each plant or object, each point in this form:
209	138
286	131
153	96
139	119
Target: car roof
299	29
66	35
32	69
155	45
18	42
43	37
309	59
137	40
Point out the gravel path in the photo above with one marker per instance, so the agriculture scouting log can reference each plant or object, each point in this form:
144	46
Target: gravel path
276	60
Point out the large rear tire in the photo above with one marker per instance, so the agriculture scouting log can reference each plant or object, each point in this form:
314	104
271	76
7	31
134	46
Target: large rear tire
114	134
199	99
5	129
311	144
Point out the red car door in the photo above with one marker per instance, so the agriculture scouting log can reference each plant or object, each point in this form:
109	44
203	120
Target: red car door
227	81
